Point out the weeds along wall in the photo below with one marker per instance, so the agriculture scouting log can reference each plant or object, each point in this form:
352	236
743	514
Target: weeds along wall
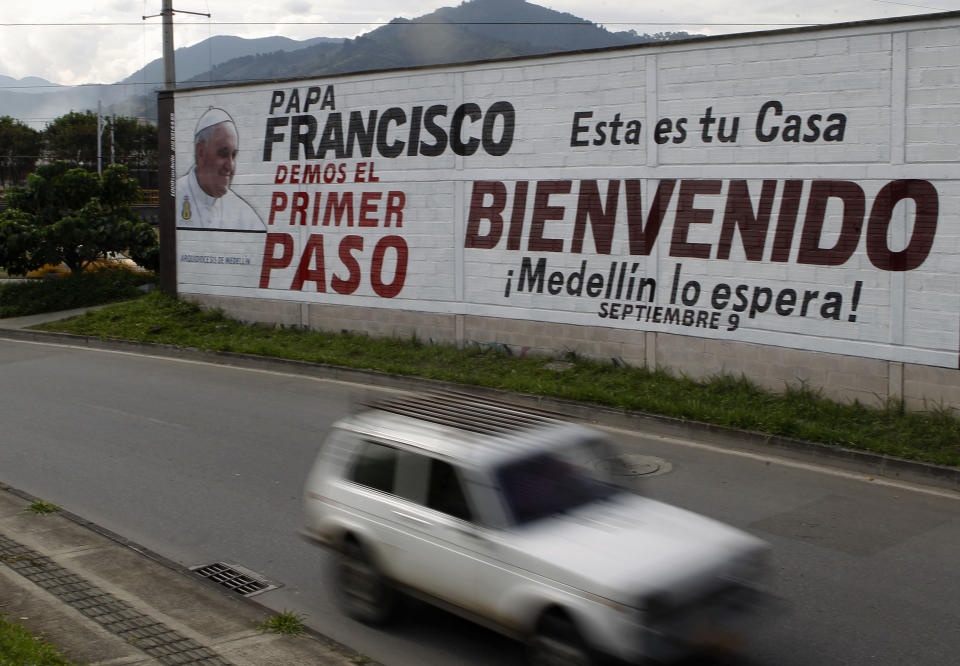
782	205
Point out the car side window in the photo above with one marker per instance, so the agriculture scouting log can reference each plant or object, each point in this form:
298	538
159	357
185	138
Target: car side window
445	493
375	466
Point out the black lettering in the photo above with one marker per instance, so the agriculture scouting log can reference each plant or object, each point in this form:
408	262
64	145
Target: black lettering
835	131
270	136
396	115
303	131
456	129
498	110
579	129
534	277
313	96
294	103
332	138
771	134
429	124
356	132
276	100
413	145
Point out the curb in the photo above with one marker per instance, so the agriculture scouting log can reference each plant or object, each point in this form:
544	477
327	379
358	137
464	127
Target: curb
874	464
181	570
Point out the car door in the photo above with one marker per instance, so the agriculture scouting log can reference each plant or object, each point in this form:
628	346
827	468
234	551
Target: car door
440	546
367	496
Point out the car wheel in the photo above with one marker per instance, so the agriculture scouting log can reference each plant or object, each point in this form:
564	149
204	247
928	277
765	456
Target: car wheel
362	592
557	642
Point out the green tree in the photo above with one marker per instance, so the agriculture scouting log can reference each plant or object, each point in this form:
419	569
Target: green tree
73	138
136	142
69	215
19	150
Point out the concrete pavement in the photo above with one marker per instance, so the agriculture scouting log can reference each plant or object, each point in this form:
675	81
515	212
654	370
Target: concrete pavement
101	600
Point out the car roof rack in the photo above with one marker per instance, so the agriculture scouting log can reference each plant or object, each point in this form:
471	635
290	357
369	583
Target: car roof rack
467	412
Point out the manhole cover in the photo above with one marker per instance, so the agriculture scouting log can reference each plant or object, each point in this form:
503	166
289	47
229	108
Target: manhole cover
235	578
633	464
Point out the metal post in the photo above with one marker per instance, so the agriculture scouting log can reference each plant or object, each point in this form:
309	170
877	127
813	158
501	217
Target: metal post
166	161
99	139
167	157
169	64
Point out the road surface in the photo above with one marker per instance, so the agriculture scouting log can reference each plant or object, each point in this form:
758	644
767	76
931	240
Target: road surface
205	463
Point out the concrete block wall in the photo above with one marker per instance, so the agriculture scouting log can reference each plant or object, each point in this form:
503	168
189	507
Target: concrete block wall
896	83
842	378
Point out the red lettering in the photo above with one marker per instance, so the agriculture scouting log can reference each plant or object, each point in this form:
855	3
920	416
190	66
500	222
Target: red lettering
590	208
347	246
311	174
339	207
376	270
924	196
543	212
687	215
277	204
517	214
642	237
368	206
359	172
298	211
744	215
852	197
395	203
313	248
281	174
498	191
270	262
787	220
739	214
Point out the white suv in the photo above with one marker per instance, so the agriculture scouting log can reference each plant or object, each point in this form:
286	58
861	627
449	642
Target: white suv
503	515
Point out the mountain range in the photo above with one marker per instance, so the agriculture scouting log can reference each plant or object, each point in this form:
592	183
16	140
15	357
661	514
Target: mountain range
474	30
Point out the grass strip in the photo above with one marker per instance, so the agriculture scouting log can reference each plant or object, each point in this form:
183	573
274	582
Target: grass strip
18	647
931	436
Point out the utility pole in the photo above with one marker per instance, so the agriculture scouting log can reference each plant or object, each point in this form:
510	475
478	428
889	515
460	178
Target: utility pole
99	138
166	154
169	65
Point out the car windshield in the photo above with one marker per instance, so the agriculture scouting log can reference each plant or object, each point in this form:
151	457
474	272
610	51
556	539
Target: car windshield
554	482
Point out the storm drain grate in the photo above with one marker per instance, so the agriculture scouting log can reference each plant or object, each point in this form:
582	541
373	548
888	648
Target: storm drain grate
235	578
633	464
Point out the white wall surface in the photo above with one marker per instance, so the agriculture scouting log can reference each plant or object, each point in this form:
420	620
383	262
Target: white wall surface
888	92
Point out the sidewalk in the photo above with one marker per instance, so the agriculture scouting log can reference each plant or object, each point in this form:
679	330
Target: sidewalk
101	601
42	318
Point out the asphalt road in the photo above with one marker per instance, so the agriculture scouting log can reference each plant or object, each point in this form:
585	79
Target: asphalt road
205	463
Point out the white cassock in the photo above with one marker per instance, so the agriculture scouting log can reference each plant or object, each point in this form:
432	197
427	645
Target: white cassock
198	210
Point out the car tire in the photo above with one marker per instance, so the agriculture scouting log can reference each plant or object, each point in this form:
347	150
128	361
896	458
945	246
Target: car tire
362	591
556	642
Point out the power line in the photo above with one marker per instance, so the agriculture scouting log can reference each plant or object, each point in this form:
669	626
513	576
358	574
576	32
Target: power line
906	4
64	87
410	22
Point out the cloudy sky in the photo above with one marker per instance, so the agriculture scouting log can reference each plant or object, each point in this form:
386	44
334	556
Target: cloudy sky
106	40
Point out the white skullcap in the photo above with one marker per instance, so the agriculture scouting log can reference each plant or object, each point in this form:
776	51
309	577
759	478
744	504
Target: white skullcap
211	117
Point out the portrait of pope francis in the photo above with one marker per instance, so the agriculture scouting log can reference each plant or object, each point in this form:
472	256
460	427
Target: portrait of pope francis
204	198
